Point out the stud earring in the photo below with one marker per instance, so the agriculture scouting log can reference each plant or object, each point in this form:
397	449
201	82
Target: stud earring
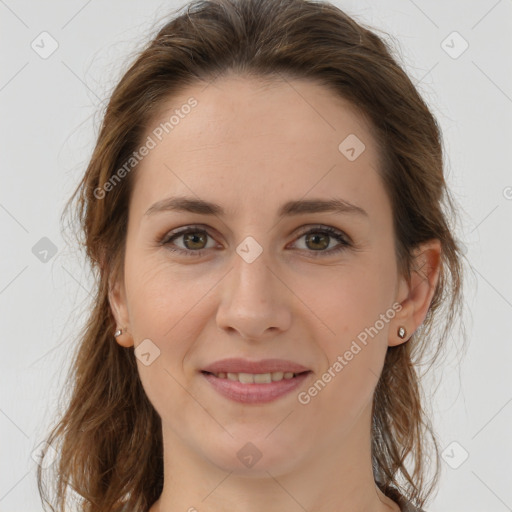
401	332
118	333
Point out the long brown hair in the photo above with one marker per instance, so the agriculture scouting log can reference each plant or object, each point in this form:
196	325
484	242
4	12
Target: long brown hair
109	440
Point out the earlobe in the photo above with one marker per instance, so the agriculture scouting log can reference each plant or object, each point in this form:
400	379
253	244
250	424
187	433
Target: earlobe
416	293
117	300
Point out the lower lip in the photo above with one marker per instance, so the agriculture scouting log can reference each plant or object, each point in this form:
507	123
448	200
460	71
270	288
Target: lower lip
254	393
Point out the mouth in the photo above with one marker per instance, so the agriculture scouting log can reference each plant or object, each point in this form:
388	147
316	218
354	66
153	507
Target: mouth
255	388
256	378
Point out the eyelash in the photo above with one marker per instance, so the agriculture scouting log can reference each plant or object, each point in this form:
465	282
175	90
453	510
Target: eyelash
327	230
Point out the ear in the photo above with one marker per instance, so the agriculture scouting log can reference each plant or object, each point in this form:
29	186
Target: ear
415	294
118	304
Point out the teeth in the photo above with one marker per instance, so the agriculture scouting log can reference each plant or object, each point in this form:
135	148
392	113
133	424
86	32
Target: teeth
256	378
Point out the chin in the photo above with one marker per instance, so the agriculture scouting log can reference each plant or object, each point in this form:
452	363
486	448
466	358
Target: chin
255	458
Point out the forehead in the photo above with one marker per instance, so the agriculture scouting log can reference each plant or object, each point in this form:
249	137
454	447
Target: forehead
246	135
231	107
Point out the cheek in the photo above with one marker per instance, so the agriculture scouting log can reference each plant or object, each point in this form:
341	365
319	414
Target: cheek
164	307
354	298
158	294
357	308
168	304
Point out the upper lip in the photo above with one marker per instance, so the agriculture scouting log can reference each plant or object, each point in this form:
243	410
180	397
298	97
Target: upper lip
238	365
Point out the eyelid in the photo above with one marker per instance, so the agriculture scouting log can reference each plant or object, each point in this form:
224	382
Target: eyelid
344	240
323	227
176	233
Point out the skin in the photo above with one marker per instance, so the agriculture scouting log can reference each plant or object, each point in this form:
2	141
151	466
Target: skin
250	146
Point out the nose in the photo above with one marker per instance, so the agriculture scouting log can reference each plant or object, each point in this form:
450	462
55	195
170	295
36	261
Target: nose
254	300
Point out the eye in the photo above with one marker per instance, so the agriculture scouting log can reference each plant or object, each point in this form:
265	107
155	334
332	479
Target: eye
317	240
194	239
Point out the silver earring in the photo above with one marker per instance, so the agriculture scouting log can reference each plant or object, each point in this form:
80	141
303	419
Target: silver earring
401	332
118	333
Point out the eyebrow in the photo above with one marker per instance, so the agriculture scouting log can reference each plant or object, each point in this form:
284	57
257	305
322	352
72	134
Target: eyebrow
193	205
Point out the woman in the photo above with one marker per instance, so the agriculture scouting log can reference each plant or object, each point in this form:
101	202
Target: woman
267	213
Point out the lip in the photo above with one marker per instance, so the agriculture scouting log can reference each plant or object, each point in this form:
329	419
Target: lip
254	393
239	365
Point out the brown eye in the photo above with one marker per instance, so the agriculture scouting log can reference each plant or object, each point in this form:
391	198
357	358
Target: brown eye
194	241
317	240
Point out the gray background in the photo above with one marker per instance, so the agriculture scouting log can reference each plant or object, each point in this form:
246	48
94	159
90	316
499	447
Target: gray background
50	110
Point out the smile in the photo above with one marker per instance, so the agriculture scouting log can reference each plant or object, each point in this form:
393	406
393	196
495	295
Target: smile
255	388
258	378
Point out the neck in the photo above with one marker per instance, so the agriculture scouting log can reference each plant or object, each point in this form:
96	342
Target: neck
334	477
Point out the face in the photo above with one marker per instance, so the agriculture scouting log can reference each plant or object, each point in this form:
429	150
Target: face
312	287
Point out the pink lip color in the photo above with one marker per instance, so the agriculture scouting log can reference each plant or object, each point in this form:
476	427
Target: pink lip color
239	365
254	393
